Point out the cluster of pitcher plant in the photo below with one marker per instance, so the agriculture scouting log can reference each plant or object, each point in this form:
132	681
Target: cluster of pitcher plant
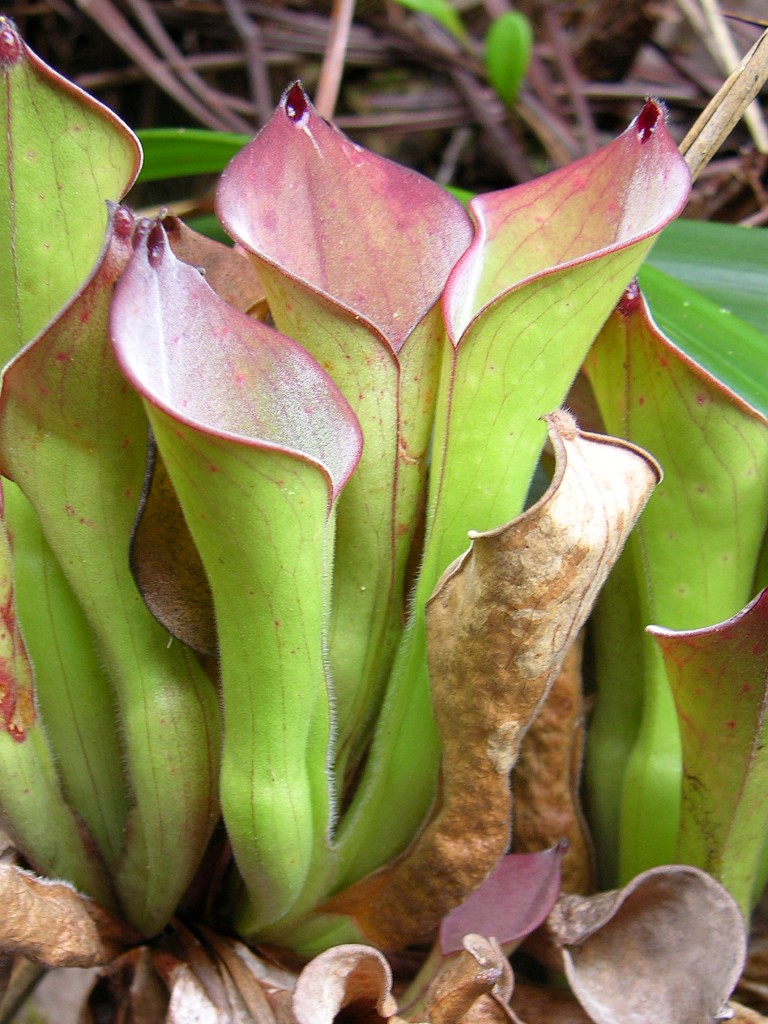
275	624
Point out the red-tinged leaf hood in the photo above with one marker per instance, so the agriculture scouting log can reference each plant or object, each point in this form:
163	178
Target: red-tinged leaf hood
214	368
623	193
371	236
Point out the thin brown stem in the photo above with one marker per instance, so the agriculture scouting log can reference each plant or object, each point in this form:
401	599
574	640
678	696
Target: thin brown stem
332	70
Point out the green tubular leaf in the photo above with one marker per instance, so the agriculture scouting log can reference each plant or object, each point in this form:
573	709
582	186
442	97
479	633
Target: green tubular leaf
73	437
615	719
32	807
718	677
61	155
177	152
73	693
508	47
354	252
549	260
691	559
723	344
724	262
258	442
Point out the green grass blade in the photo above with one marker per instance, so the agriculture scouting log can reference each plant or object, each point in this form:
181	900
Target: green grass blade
182	152
729	348
724	262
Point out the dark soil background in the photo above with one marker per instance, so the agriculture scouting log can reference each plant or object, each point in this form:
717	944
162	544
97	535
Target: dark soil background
408	90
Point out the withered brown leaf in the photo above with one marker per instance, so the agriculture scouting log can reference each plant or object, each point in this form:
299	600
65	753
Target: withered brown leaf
545	780
54	925
353	978
499	624
480	970
668	947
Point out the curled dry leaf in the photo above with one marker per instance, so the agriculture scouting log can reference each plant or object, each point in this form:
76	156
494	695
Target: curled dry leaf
500	621
353	978
54	925
546	779
480	970
669	947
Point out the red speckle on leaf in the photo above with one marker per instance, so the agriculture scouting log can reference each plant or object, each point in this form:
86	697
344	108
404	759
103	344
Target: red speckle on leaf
647	120
701	399
63	357
746	688
641	400
296	104
156	245
11	46
630	300
730	725
69	510
123	222
212	468
141	231
757	649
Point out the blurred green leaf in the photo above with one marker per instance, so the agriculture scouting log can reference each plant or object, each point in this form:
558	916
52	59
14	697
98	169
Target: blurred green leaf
722	343
180	152
508	46
725	262
440	11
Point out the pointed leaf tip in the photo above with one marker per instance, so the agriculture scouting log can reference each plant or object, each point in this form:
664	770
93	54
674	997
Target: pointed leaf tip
590	211
334	220
648	119
295	103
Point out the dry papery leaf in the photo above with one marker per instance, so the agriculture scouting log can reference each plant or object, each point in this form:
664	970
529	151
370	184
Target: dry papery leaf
185	979
473	987
668	947
546	778
499	624
54	925
352	978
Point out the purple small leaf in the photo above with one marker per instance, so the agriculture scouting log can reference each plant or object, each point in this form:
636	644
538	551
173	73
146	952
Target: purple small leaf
512	902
